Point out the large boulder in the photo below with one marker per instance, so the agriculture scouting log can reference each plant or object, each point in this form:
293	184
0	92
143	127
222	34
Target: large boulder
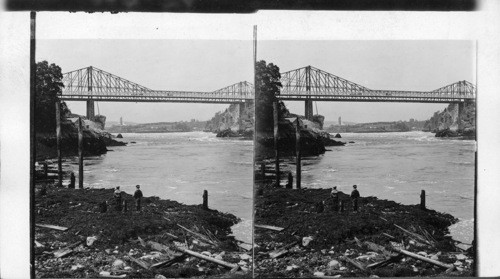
95	140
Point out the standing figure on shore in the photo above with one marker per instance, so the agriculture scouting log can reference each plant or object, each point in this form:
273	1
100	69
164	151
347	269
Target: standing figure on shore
118	199
137	197
335	199
354	198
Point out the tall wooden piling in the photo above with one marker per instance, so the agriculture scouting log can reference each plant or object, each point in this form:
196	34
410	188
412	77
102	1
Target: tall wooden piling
45	170
276	119
80	153
205	199
289	184
72	181
297	154
58	136
422	200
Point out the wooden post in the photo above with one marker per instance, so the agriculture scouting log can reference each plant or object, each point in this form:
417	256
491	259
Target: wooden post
45	170
58	135
205	199
289	184
297	154
276	119
422	200
80	153
72	181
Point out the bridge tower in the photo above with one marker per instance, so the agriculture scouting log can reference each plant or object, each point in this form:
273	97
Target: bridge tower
90	102
308	103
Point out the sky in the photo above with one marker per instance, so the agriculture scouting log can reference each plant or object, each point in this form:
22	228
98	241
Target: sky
190	60
185	65
384	65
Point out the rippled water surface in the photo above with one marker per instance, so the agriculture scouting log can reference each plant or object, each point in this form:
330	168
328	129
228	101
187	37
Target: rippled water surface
179	166
397	166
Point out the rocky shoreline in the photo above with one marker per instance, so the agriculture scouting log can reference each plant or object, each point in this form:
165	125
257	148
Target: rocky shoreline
303	236
150	243
95	141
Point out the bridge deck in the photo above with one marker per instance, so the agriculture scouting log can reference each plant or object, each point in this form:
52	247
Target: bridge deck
304	84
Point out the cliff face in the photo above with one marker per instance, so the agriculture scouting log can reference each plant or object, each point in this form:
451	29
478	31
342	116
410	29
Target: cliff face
95	140
446	123
313	138
229	120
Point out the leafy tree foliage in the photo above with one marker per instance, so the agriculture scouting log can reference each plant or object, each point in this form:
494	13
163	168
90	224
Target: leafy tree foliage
267	88
48	86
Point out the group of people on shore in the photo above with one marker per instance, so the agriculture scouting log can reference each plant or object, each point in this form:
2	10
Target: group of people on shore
122	205
334	195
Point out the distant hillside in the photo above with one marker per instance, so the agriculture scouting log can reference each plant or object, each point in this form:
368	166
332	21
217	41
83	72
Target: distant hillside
446	123
159	127
229	119
378	127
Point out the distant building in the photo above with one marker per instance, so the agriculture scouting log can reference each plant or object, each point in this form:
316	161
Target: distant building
121	121
340	121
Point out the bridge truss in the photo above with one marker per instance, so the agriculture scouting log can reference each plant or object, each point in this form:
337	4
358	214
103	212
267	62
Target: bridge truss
97	85
312	84
303	84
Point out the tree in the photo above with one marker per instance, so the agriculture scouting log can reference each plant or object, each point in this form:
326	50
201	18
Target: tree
47	88
267	85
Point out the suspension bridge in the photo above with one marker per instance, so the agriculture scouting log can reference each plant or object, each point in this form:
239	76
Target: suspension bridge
306	84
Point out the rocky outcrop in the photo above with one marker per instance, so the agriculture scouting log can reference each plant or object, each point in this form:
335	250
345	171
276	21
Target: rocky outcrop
95	140
448	124
230	120
313	139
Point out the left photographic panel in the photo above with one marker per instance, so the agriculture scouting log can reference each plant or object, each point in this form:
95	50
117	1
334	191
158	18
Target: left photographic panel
143	148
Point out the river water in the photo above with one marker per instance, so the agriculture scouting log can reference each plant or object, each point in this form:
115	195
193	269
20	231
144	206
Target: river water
397	166
394	166
179	166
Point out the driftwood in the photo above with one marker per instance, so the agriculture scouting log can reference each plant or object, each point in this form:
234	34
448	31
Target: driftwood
422	258
169	262
158	246
143	243
326	276
389	236
358	242
378	248
415	235
67	250
273	228
384	262
354	263
199	235
207	258
171	235
139	262
112	276
282	250
63	252
59	228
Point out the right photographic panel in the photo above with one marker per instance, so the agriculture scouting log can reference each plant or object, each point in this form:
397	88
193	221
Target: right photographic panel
365	158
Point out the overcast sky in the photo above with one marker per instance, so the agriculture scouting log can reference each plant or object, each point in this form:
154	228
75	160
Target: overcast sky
390	65
207	65
197	65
